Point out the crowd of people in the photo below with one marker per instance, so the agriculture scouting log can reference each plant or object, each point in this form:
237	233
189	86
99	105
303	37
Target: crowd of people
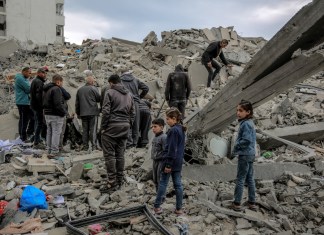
125	123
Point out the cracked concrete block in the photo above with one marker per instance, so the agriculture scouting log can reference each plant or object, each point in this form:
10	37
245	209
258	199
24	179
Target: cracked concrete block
246	232
63	189
233	35
60	212
242	223
76	171
146	62
209	34
198	75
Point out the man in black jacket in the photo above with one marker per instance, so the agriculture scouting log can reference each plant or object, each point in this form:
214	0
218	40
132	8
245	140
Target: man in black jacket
134	85
213	51
178	89
53	103
117	116
36	103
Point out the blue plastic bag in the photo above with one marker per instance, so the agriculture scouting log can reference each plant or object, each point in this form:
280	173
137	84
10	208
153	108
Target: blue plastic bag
32	198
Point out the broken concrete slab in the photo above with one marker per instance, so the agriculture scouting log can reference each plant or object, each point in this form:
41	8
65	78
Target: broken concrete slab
76	171
227	172
8	47
198	75
209	35
295	134
164	51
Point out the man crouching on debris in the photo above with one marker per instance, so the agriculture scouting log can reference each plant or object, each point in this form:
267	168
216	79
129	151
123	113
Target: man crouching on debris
117	116
213	51
53	103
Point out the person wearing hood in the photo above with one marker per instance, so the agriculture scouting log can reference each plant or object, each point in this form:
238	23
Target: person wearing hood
117	116
22	91
178	89
36	103
134	85
54	111
86	107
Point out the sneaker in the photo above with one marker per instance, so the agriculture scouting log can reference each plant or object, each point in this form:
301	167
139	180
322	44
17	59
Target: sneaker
252	206
235	206
158	211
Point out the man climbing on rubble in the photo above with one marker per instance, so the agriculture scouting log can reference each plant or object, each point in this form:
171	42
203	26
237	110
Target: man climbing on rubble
133	85
212	52
86	107
117	117
178	89
36	103
54	111
22	91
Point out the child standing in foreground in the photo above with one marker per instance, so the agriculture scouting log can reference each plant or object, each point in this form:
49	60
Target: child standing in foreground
172	160
245	149
158	146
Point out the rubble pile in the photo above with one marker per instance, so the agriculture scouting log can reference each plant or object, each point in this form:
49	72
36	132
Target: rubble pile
289	202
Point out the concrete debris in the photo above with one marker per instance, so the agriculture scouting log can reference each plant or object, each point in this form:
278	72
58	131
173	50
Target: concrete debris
289	200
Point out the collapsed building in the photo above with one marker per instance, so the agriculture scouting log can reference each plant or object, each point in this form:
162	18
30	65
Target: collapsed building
287	87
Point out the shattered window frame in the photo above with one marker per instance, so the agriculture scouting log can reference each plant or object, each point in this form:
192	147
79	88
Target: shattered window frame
59	30
59	9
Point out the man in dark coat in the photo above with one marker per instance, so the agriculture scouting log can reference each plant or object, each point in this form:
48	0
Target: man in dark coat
145	122
178	89
54	110
36	103
134	85
213	51
86	107
117	116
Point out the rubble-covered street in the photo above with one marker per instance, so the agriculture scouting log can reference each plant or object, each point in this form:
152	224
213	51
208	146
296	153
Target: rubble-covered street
289	168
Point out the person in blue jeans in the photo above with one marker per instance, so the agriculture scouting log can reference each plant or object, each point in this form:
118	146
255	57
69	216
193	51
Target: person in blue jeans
244	148
172	160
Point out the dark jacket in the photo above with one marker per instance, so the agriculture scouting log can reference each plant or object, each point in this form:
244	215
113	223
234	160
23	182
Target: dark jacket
86	101
178	85
66	97
53	101
212	51
174	151
134	85
117	107
36	94
246	138
158	146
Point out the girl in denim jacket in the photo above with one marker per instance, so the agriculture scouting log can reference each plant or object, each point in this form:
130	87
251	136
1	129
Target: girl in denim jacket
245	149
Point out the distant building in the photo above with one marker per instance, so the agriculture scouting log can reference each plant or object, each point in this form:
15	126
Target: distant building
34	22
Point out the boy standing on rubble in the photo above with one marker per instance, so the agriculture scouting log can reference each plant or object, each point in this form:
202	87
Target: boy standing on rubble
158	146
245	149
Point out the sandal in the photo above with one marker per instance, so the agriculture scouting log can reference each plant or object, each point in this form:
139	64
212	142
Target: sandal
158	211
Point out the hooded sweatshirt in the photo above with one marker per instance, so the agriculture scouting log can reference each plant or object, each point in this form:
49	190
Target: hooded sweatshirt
53	101
178	86
212	51
36	94
117	107
134	85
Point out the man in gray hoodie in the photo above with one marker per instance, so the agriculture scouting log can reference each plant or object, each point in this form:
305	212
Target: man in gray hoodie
117	116
87	109
133	85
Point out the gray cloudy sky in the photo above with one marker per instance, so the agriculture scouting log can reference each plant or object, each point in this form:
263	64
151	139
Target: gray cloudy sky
133	20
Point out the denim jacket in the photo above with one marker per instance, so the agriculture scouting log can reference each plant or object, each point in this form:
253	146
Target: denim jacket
246	138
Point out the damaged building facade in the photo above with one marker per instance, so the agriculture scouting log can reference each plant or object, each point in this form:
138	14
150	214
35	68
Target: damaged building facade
32	22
